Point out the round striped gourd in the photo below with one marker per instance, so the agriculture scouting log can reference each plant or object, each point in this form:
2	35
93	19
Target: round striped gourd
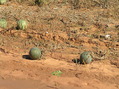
35	53
22	24
3	23
86	58
3	1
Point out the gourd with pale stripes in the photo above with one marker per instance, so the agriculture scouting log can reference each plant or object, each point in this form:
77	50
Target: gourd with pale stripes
85	58
22	24
3	23
35	53
3	1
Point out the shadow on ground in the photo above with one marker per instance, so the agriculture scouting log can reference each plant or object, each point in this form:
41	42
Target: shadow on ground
26	57
76	61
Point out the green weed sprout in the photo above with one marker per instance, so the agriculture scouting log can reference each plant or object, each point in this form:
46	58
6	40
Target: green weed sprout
57	73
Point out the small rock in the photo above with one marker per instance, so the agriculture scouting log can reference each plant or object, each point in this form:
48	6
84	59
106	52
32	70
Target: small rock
47	32
107	36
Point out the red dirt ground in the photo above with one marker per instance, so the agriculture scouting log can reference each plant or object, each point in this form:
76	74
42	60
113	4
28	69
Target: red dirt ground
18	73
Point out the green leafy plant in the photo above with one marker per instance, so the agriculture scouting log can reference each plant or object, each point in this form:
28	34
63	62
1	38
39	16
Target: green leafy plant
3	23
57	73
3	1
86	58
35	53
22	24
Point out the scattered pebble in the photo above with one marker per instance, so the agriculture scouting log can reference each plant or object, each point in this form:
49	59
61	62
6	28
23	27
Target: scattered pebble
47	32
55	8
107	36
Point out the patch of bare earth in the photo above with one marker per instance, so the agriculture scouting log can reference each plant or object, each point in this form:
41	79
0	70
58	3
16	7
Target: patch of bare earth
16	72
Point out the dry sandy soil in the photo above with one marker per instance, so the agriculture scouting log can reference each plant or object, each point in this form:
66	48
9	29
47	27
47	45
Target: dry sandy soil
18	73
62	33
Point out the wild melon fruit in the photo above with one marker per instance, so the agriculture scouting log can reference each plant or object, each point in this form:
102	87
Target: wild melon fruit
35	53
86	58
3	23
22	24
3	1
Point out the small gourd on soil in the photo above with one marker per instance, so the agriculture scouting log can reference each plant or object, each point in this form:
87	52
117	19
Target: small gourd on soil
86	58
22	24
3	23
35	53
3	2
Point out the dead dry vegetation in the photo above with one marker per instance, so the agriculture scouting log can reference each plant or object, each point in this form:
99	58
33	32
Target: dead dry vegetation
63	29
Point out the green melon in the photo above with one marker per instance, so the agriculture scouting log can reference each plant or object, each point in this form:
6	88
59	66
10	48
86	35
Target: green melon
35	53
22	24
3	23
86	58
3	1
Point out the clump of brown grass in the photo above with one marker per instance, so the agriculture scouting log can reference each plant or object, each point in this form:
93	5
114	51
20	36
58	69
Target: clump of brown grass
94	3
